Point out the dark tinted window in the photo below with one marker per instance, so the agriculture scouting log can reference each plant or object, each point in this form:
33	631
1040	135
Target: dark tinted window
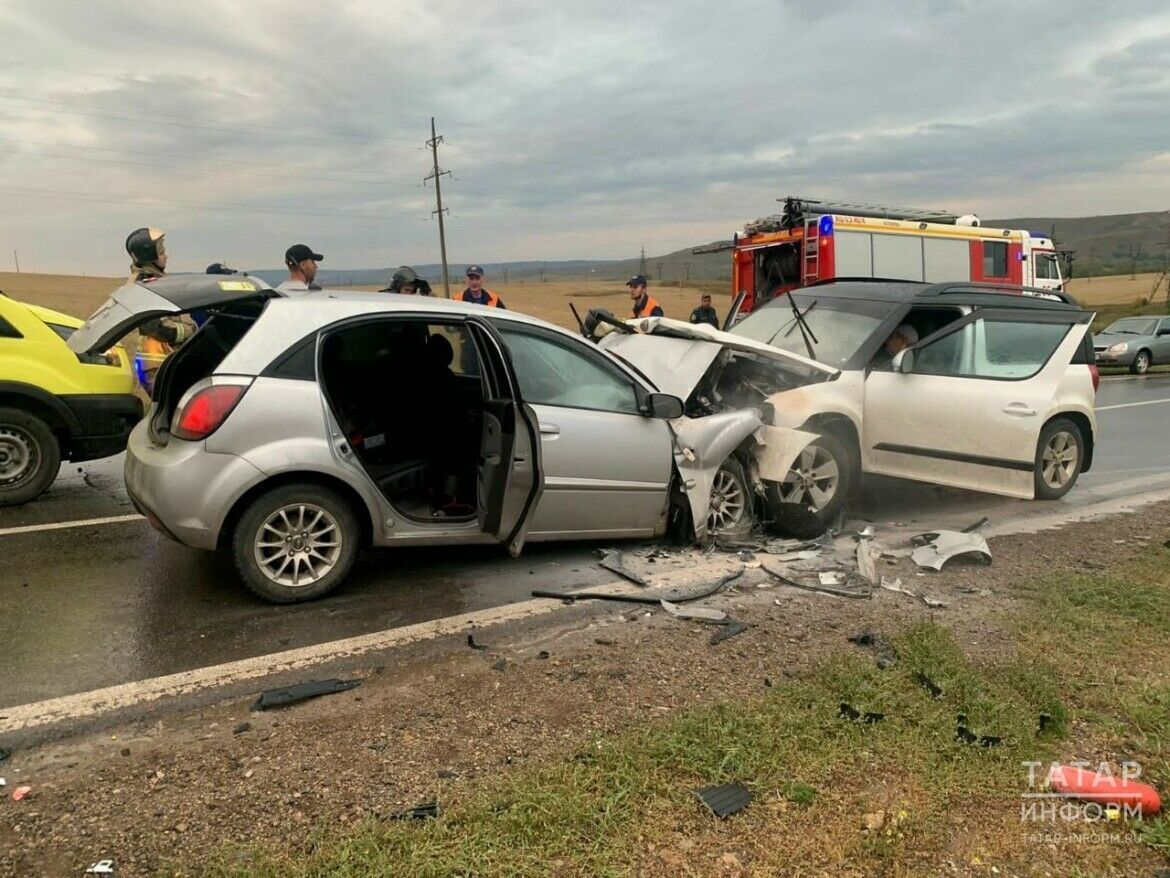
7	330
995	259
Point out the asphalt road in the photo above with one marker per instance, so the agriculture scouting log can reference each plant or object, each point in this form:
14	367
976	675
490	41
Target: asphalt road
94	606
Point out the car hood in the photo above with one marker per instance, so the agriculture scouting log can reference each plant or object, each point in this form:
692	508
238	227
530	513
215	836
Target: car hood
676	355
48	315
1105	339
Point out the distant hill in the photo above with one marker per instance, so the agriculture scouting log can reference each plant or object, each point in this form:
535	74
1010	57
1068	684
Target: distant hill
1102	245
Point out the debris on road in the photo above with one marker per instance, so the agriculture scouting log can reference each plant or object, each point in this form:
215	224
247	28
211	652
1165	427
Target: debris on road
725	800
937	548
611	560
1105	789
287	695
971	528
896	585
501	665
570	597
866	563
241	728
831	577
426	811
101	867
850	589
928	684
21	793
731	628
4	753
964	735
471	642
697	614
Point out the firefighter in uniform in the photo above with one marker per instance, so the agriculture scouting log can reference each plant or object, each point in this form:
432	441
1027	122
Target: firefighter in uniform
705	313
157	338
407	282
644	304
476	293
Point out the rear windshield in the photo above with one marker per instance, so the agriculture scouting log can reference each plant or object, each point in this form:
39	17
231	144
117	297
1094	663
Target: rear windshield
841	326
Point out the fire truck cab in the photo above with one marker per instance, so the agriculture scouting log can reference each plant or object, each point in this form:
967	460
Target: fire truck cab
814	241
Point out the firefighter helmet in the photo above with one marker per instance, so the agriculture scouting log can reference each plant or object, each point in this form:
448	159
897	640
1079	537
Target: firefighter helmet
145	246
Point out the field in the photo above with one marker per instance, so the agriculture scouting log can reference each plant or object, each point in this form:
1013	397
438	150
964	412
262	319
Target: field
81	296
1116	290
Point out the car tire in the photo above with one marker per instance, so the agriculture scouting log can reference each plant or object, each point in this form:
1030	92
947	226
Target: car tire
823	455
1141	363
1060	453
730	510
29	457
321	532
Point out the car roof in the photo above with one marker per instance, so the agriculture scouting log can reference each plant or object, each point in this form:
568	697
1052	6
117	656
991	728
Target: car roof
951	292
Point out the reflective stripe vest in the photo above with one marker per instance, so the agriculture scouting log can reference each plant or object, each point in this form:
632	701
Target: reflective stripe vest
647	309
493	301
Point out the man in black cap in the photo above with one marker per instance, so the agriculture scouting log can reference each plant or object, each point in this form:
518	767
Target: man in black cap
705	313
302	269
475	292
644	305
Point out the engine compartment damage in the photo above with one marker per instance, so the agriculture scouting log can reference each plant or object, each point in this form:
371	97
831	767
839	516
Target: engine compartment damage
728	426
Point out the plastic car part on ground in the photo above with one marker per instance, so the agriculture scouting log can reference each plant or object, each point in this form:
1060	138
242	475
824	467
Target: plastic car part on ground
939	547
1105	789
288	695
101	867
611	560
570	596
726	799
896	585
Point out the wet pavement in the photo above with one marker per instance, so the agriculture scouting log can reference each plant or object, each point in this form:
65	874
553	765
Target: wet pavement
93	606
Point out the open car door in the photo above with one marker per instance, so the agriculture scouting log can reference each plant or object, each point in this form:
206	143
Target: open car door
136	303
510	476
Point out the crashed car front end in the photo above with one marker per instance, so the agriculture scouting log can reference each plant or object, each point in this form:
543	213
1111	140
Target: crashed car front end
729	423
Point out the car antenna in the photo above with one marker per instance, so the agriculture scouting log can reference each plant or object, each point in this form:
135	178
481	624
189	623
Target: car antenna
805	331
577	317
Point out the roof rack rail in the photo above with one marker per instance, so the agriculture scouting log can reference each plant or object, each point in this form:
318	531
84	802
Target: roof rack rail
1001	289
797	210
862	279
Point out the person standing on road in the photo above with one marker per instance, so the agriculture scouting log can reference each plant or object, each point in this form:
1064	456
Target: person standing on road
302	269
705	313
158	338
644	304
476	293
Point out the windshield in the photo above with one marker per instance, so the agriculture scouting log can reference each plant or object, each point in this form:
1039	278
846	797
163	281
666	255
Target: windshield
1133	326
841	326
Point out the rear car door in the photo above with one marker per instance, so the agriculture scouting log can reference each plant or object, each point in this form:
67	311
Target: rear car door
969	413
510	468
606	465
1161	343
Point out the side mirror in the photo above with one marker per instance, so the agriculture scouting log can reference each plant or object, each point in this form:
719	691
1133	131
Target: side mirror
903	361
664	406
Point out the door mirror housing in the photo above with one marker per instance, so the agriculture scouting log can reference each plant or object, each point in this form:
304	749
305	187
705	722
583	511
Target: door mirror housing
903	361
663	406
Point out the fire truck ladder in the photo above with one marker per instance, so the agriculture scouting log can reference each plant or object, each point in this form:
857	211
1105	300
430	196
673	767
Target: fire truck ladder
811	251
798	210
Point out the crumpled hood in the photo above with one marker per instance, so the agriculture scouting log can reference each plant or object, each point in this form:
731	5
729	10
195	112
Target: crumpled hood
675	355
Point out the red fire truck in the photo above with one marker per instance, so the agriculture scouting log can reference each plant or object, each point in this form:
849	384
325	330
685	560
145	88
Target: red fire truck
817	240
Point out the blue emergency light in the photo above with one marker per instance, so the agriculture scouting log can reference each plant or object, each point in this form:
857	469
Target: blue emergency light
826	226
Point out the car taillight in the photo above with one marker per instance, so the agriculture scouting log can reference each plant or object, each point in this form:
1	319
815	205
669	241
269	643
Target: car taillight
206	410
1096	373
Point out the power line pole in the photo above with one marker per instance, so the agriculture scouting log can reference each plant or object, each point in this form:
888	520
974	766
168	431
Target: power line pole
505	274
658	278
435	175
16	259
642	264
688	265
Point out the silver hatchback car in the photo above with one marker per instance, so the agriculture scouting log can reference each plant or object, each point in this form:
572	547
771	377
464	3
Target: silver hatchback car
293	431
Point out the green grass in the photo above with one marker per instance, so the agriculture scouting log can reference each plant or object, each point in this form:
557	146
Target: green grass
1089	650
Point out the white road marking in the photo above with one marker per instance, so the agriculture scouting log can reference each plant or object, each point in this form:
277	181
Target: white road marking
65	525
100	701
1129	405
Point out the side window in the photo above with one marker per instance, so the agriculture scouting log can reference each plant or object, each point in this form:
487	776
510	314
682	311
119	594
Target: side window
552	371
995	259
1046	267
1001	349
7	330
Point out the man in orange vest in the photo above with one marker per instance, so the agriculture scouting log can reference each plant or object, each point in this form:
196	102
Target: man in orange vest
475	292
644	305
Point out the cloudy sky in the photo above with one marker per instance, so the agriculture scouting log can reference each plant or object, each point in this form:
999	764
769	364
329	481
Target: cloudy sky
577	130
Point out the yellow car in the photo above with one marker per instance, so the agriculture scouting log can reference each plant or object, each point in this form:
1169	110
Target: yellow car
54	404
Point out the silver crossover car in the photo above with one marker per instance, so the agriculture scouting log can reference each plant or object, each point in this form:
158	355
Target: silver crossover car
293	431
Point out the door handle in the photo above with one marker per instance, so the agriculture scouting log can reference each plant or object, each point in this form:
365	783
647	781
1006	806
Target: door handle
550	430
1018	409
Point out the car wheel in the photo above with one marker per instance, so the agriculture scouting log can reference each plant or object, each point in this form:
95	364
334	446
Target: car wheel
295	543
1141	363
1059	455
29	457
730	512
822	478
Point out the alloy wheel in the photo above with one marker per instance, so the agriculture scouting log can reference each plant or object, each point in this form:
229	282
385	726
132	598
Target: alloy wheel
728	503
297	545
19	456
1058	464
813	479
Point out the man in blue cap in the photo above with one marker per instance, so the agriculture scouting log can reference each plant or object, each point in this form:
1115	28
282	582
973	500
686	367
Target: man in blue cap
644	304
476	293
